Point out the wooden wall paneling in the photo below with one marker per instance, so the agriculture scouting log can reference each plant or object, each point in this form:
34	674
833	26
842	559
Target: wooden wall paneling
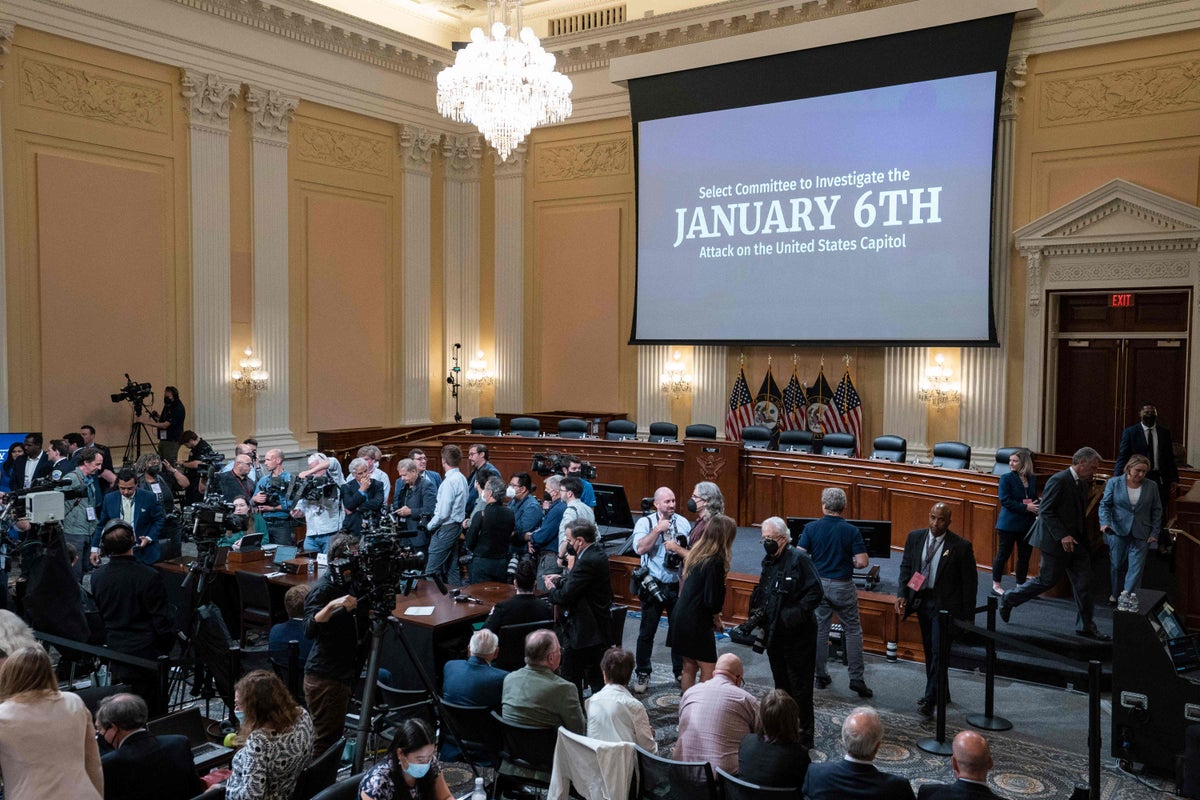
868	502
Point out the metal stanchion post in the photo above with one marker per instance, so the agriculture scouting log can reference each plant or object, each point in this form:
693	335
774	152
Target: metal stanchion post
1095	671
938	745
988	720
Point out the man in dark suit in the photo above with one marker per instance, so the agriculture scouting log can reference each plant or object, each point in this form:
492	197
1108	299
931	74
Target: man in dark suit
362	496
140	509
971	762
1148	438
936	573
1059	533
415	497
584	595
143	766
855	776
32	465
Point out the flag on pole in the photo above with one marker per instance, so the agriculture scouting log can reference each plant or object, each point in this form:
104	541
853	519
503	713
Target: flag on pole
794	417
819	398
741	408
768	406
845	415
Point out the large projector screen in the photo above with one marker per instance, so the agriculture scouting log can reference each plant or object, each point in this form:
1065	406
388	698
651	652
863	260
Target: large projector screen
859	217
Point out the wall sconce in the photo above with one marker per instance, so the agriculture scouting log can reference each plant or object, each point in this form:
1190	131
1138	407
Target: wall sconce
478	375
250	378
937	390
674	381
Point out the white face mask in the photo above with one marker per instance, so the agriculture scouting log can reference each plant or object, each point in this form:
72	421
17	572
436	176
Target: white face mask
510	492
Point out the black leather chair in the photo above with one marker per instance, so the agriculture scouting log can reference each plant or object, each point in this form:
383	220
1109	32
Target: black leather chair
1002	456
733	788
320	773
699	431
663	432
891	448
345	789
796	441
525	426
485	426
511	653
572	428
952	455
254	602
620	429
663	779
616	624
838	444
478	729
756	437
527	747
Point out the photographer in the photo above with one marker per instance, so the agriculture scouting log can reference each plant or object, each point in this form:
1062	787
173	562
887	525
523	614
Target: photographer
416	499
200	455
82	504
575	470
477	455
655	537
169	423
584	595
339	625
527	512
323	515
788	593
163	480
543	542
270	499
362	496
489	535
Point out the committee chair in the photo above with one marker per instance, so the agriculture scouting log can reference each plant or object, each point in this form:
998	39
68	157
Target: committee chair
663	432
620	429
485	426
525	426
756	437
952	455
839	444
796	441
890	448
1002	456
699	431
572	428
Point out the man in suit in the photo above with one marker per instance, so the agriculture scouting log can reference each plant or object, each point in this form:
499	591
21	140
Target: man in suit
1059	533
535	695
856	776
32	465
971	762
584	594
238	481
108	477
475	682
140	509
143	766
61	463
1148	438
936	573
415	498
362	496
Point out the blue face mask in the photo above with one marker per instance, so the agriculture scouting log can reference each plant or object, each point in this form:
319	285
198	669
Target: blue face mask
417	771
240	716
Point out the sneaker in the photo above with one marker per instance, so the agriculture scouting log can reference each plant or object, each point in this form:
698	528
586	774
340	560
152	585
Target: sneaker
641	683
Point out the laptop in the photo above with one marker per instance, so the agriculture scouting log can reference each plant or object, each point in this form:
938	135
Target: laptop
189	723
285	552
251	541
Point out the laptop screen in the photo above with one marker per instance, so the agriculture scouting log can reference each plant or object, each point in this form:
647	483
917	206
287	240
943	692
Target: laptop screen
1185	652
285	552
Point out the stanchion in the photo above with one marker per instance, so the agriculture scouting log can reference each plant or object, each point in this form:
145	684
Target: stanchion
1095	672
988	720
938	745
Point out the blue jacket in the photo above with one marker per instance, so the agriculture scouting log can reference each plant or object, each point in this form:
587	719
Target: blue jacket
1013	516
546	537
1143	521
147	521
473	682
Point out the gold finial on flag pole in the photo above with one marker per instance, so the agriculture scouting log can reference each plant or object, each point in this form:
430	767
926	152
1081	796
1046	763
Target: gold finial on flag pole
846	360
795	360
769	361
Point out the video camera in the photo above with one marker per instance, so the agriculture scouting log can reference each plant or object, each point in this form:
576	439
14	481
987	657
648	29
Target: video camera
376	570
275	490
134	392
312	489
210	519
546	464
15	506
752	632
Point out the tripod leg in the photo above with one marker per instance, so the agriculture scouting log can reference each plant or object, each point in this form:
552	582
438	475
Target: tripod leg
368	698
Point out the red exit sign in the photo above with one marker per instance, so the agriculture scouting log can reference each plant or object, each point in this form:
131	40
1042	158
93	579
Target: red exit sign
1124	300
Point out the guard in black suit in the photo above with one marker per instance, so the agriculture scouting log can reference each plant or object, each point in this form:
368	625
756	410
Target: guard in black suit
1059	533
937	572
1148	438
971	762
584	596
32	447
856	777
143	766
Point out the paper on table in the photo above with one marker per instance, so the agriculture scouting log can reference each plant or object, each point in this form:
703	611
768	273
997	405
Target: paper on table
419	611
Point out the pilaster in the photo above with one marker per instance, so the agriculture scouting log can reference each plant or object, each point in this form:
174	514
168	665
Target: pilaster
7	30
509	313
710	390
903	413
463	156
417	146
652	404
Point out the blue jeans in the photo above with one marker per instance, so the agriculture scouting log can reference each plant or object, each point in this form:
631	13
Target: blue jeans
317	542
1126	553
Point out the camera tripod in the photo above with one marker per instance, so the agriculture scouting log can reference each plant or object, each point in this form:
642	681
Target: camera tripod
208	666
133	445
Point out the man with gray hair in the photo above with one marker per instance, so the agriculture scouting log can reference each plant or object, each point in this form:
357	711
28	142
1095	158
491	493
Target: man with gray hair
416	499
855	775
837	549
1060	533
535	695
475	682
372	454
142	766
362	496
322	517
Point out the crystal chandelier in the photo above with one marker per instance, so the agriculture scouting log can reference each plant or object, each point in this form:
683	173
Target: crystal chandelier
502	85
249	378
938	390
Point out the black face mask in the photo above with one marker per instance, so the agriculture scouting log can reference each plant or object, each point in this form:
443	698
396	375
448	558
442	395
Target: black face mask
571	550
153	471
771	547
1149	419
691	505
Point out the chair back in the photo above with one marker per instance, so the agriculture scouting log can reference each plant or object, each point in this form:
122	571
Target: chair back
733	788
527	746
478	732
616	625
345	789
215	793
592	768
663	432
321	773
253	592
572	428
796	441
838	444
620	429
699	431
401	704
511	655
1002	456
663	779
952	455
756	437
525	426
485	426
891	448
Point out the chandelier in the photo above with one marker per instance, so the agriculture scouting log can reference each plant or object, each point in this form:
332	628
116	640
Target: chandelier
502	85
249	378
674	380
938	390
478	374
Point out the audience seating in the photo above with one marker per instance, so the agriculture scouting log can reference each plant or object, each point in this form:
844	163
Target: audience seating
734	788
572	428
1002	456
838	444
320	773
485	426
663	432
254	602
952	455
345	789
756	437
525	426
511	655
891	448
663	779
796	441
402	704
592	768
699	432
527	747
620	429
481	739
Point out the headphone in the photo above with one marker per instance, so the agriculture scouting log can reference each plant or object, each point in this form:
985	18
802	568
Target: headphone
112	525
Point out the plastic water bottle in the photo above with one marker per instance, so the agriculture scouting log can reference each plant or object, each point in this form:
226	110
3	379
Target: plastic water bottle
479	793
102	677
1123	602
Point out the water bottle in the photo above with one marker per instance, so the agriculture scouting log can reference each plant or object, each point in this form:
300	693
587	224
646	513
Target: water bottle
479	793
102	678
1123	602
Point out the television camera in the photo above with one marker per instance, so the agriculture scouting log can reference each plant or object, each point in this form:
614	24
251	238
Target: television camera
546	464
136	393
752	632
312	489
209	519
377	569
16	503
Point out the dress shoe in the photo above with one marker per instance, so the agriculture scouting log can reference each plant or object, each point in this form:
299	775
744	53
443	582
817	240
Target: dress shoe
1093	633
861	688
925	709
822	681
1005	610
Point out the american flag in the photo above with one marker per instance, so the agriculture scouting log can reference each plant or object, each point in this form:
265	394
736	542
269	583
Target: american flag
741	408
795	410
846	416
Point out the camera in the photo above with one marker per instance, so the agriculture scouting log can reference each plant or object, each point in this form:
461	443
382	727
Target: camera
134	392
752	632
465	559
647	506
275	491
210	519
546	464
375	569
674	561
642	579
313	489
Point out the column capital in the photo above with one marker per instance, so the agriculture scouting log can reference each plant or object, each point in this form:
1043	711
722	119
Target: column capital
416	145
515	165
463	155
271	112
210	98
1014	82
7	29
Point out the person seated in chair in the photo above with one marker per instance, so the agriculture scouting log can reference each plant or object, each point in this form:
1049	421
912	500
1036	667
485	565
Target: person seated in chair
291	630
971	760
855	775
142	766
534	695
524	606
475	682
773	755
615	715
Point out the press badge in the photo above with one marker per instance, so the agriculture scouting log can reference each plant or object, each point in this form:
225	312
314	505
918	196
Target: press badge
916	581
91	513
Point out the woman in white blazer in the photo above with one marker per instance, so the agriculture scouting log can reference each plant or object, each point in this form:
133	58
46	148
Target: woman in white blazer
1131	515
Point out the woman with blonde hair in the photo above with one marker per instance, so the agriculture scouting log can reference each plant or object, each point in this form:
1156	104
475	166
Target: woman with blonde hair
1018	510
14	634
47	742
1131	516
276	738
697	613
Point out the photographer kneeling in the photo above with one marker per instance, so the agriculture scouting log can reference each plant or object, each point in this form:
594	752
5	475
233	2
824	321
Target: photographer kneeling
656	538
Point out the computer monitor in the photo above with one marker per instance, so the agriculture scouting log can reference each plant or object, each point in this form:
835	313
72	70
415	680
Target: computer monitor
612	506
876	533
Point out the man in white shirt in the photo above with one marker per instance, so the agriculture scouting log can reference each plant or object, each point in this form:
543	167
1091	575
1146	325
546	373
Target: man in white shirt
615	715
448	514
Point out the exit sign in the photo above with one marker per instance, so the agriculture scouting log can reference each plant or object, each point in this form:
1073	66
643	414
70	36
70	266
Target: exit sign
1124	300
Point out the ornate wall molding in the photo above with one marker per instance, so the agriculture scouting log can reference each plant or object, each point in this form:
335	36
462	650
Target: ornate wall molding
1122	271
335	148
1122	93
515	165
92	95
1014	82
463	155
271	113
7	29
417	145
210	98
596	159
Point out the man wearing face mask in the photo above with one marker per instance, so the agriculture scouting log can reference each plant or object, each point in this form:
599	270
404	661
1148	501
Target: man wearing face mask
653	539
527	512
142	766
1148	438
169	424
788	593
543	542
584	595
575	470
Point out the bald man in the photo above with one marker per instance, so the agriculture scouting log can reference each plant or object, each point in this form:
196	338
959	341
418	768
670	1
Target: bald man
653	540
855	775
714	717
936	573
971	762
